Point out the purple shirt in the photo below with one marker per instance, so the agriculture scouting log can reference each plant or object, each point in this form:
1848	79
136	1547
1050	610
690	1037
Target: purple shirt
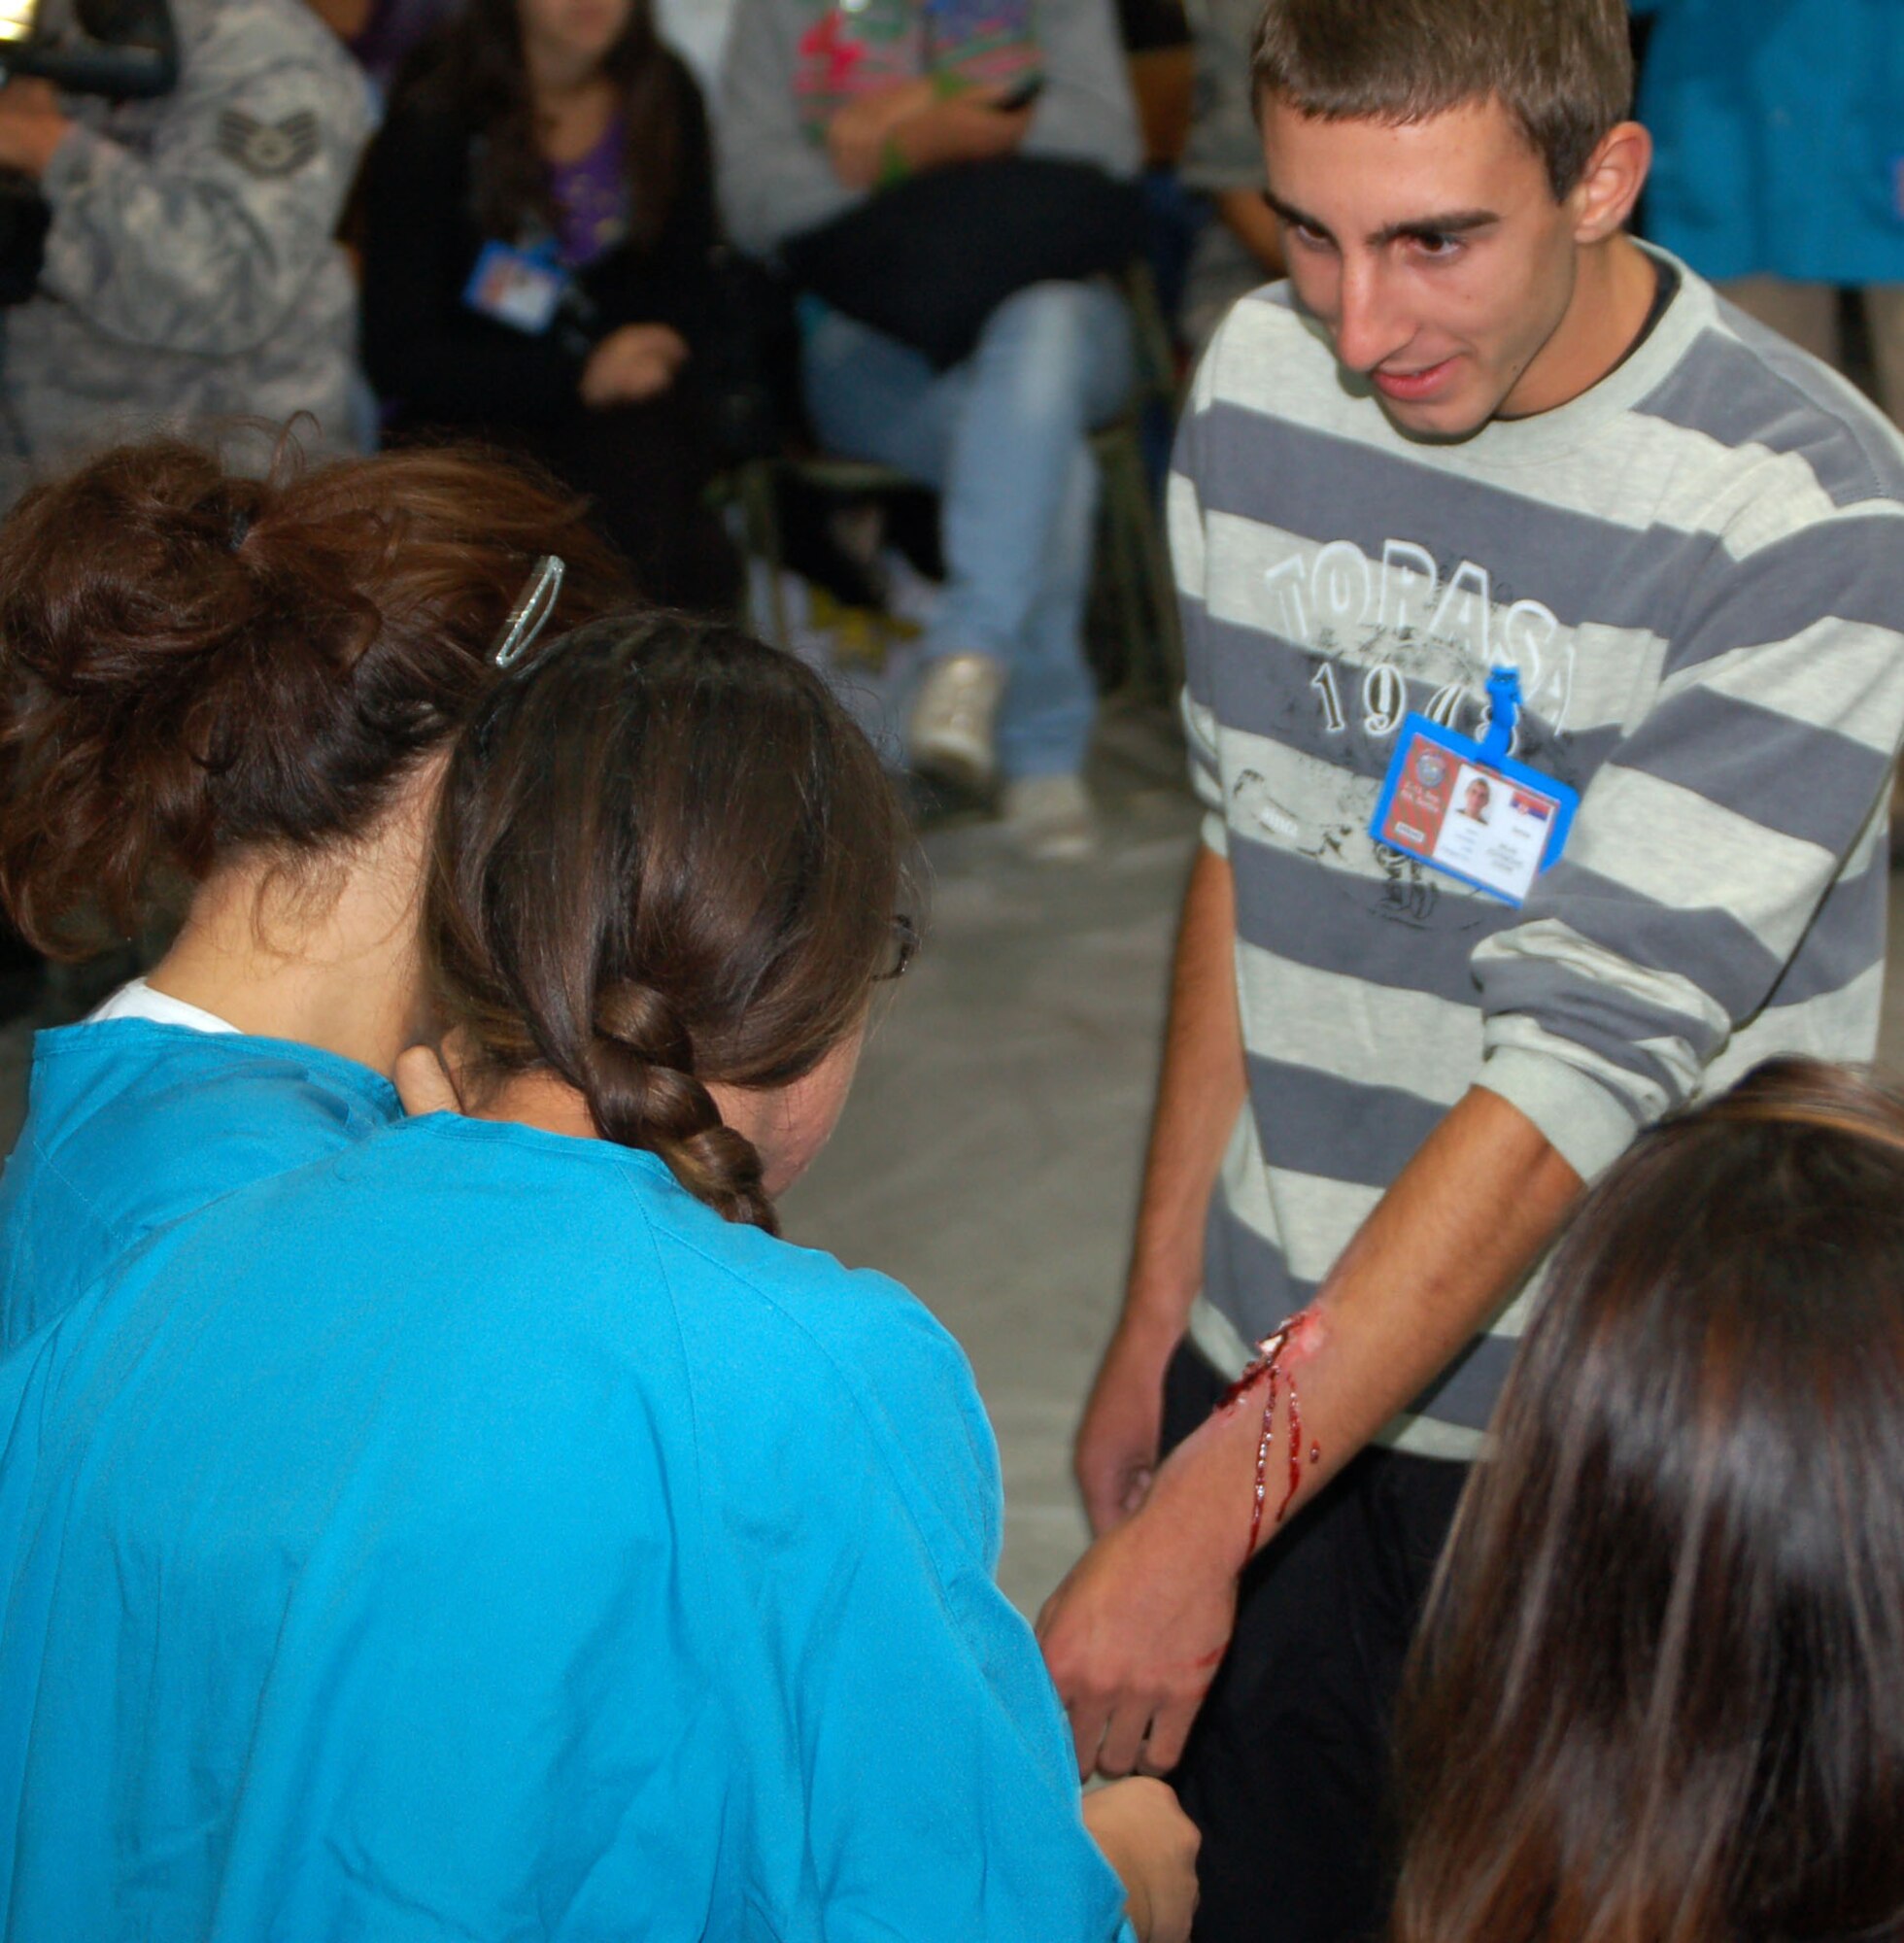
592	198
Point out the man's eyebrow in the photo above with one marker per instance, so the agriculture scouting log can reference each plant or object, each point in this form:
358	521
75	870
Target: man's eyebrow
1458	222
1289	212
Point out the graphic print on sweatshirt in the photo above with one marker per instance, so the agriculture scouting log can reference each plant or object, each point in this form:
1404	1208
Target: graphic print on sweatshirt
1376	639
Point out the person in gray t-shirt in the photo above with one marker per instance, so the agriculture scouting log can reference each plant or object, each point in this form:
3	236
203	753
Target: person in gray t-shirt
822	107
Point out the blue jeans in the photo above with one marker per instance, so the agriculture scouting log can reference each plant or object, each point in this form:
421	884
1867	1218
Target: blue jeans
1003	438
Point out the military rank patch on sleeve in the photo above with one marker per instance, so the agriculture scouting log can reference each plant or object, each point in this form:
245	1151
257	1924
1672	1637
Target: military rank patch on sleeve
268	148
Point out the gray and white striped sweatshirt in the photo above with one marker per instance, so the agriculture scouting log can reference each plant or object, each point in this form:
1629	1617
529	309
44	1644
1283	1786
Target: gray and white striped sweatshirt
1697	569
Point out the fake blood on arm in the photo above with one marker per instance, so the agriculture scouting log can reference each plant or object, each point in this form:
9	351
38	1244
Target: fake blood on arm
1269	1372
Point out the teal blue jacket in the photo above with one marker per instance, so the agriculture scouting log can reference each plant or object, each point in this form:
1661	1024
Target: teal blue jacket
130	1124
472	1534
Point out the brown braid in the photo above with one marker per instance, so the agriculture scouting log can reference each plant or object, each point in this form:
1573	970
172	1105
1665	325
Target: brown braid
637	1076
665	857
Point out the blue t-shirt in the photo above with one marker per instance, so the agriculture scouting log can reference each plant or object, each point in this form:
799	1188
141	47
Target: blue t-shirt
130	1124
472	1534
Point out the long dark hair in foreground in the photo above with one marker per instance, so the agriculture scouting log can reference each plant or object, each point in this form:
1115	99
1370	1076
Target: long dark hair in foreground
1659	1694
666	854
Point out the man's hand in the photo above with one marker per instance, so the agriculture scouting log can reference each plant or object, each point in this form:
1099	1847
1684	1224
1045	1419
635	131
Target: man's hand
1151	1844
968	129
1134	1635
637	361
1116	1453
858	133
31	127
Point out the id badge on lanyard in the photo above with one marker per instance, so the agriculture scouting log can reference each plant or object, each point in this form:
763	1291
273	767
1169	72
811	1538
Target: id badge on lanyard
1468	808
521	288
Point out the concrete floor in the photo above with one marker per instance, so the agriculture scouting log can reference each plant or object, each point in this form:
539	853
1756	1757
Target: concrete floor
989	1155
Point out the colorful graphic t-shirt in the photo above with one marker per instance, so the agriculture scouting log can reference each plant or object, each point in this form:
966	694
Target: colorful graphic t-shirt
855	48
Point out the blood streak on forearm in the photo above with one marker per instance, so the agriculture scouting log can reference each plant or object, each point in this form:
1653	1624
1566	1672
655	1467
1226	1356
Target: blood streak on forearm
1269	1371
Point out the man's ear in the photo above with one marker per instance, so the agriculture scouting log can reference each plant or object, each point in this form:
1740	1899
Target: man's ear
1615	172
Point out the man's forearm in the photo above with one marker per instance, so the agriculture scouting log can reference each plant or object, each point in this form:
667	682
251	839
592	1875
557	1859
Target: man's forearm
1135	1633
1200	1092
1463	1222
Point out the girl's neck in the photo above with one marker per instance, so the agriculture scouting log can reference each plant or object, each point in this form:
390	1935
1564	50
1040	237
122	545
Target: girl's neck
559	78
571	115
327	957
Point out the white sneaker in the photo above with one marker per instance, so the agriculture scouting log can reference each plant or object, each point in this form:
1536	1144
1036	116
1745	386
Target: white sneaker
952	716
1051	818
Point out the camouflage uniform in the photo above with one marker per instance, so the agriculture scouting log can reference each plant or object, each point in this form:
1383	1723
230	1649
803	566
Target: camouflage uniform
190	271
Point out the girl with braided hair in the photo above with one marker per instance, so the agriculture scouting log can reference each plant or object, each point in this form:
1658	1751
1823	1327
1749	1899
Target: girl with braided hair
493	1529
1659	1689
227	699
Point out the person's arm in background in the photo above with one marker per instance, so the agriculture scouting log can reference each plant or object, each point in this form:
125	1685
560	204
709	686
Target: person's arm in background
1224	155
346	19
206	243
1247	217
421	347
1688	885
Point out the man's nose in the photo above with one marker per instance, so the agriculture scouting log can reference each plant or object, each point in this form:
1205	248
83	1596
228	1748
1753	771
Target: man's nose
1367	326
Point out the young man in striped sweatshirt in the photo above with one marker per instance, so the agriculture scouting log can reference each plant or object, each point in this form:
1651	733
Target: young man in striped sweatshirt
1479	428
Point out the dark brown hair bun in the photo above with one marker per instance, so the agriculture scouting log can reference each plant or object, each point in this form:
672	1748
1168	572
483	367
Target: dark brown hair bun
198	663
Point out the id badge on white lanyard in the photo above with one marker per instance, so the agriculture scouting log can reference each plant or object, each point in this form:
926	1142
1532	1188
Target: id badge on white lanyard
1467	808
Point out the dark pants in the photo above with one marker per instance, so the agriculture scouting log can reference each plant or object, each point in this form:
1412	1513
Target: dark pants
1287	1769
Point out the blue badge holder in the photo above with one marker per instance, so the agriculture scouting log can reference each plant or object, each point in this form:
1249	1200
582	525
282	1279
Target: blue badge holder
1491	754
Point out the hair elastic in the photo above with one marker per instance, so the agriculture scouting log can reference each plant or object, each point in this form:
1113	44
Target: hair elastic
531	613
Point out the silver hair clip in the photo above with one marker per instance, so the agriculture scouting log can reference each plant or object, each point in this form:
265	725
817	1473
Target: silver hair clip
530	614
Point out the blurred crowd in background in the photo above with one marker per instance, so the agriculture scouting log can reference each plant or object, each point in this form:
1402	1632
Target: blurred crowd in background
829	309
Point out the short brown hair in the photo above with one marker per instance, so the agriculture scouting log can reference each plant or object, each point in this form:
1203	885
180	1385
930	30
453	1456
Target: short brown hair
1660	1690
1563	69
193	661
664	855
